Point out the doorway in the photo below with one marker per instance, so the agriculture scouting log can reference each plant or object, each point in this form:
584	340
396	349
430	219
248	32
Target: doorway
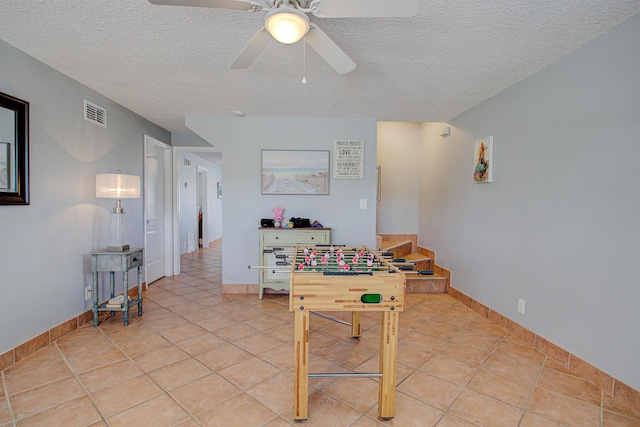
197	173
202	199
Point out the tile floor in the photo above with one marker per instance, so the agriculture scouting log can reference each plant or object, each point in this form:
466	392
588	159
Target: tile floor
197	357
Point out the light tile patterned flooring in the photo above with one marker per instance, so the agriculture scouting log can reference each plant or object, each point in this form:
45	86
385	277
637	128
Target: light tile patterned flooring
197	357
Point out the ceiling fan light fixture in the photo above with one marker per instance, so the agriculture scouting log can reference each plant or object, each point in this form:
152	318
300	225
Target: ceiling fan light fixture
287	25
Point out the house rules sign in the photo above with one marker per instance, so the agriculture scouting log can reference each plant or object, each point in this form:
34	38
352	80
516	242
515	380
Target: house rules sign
348	159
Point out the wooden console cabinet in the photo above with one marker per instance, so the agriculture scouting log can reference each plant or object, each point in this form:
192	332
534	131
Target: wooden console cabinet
288	239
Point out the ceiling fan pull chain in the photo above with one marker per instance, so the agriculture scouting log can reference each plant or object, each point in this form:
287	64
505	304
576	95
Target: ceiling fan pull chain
304	60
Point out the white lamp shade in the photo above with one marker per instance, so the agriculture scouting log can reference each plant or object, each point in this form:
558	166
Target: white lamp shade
117	186
288	25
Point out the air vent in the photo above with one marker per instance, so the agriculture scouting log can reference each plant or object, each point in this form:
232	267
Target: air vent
187	161
95	113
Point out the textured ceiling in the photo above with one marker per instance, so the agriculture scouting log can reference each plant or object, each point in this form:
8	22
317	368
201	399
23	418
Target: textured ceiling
165	62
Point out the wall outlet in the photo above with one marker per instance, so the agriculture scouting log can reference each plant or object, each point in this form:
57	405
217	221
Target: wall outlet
87	293
521	306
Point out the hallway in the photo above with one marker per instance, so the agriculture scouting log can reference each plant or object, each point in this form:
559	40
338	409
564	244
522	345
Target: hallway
197	357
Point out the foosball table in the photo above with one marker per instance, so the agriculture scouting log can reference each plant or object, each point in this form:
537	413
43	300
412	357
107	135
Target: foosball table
355	279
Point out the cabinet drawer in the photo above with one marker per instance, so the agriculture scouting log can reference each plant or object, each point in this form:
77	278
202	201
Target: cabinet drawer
116	261
134	260
276	272
295	238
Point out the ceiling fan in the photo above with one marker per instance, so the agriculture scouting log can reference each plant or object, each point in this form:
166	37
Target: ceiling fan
287	22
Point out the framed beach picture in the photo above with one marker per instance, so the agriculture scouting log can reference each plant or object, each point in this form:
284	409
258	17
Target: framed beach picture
295	172
483	160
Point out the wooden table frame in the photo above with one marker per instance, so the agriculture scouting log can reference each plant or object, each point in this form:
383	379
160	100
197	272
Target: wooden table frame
312	291
388	354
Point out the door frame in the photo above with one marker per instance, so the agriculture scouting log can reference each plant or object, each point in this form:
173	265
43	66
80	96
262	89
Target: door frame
176	197
168	214
202	178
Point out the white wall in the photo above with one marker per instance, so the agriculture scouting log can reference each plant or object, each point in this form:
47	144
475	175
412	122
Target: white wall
44	247
399	146
241	141
560	226
188	202
215	205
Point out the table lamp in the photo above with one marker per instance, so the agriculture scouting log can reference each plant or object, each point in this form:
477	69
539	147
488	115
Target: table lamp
117	186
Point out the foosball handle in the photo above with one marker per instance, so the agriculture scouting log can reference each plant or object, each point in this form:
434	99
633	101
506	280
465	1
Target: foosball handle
425	272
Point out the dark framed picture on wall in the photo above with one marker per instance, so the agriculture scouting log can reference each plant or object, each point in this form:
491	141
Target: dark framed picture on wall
295	172
14	151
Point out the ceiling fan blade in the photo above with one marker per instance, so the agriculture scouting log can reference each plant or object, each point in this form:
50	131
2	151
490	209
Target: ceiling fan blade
220	4
252	50
366	8
329	51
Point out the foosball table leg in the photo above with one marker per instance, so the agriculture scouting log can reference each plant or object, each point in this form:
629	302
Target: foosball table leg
356	321
301	366
388	353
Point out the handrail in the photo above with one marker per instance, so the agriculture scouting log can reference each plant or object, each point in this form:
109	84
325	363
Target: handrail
379	184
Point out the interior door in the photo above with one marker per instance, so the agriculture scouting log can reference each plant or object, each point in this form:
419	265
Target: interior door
154	191
203	203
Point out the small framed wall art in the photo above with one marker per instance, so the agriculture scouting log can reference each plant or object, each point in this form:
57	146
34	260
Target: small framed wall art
483	160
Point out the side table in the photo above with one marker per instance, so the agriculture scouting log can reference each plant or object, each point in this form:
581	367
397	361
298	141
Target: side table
112	262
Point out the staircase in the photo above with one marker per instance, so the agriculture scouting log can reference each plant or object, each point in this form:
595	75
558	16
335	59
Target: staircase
418	264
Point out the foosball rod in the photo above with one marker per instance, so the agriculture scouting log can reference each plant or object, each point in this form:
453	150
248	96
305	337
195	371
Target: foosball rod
378	254
386	256
323	248
345	248
320	253
345	375
311	269
405	263
268	267
333	319
334	266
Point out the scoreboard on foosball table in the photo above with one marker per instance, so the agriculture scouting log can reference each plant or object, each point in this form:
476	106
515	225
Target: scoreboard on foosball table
353	279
